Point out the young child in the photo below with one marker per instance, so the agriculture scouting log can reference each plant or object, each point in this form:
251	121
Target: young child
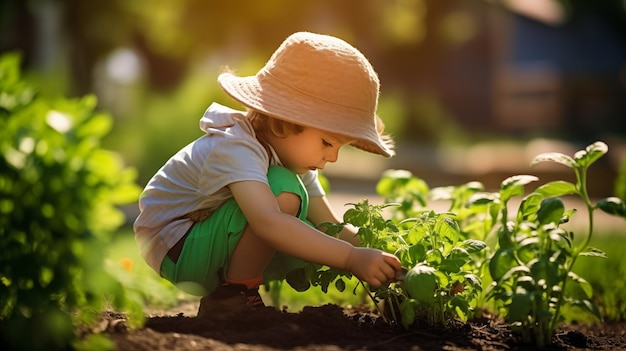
218	211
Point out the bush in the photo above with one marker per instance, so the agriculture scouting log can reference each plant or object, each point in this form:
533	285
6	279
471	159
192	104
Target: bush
58	195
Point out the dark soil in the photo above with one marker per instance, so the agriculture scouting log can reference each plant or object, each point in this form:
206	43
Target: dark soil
332	328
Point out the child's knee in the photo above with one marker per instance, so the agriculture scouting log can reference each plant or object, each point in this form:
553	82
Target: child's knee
289	203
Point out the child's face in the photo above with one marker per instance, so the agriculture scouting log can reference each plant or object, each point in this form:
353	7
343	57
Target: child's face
309	150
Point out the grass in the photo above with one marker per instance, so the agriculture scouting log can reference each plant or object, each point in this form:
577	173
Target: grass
607	276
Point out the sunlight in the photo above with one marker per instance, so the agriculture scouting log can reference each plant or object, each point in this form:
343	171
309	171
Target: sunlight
124	66
547	11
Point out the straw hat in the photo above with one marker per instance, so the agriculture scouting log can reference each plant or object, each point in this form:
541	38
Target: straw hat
317	81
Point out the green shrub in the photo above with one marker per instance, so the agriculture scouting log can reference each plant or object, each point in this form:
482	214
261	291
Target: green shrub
58	195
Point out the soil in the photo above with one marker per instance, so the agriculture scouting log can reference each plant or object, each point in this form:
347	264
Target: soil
333	328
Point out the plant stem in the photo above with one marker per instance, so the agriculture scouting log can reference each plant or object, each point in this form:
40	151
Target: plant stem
369	293
581	184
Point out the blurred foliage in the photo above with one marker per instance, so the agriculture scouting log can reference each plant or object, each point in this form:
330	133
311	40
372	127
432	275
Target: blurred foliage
620	181
436	60
59	192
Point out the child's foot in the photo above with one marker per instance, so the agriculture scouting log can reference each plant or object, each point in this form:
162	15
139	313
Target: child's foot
229	299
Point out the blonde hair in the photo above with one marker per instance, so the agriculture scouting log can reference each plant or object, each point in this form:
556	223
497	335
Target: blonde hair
264	124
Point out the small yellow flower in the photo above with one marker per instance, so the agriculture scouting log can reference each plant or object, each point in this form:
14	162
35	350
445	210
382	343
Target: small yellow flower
126	263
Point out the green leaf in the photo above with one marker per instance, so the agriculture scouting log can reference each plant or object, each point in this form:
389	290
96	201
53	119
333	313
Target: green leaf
461	306
578	288
451	265
297	279
527	249
586	157
366	235
416	234
501	262
473	246
407	310
443	278
417	252
543	268
520	307
355	217
528	207
446	227
505	236
340	285
556	189
525	284
473	280
514	186
483	198
594	252
613	205
395	183
434	257
330	228
550	211
554	157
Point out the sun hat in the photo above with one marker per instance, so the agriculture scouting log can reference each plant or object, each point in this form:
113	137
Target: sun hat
317	81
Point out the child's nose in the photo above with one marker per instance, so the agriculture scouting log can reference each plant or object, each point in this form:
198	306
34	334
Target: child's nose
332	156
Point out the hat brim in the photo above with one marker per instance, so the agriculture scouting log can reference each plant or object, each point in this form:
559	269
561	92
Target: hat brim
280	101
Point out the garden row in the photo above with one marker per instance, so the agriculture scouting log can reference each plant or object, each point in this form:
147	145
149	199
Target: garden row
477	256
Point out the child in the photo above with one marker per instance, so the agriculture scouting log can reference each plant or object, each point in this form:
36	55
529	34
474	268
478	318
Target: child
216	214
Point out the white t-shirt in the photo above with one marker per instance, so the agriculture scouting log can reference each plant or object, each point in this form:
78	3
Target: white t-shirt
196	177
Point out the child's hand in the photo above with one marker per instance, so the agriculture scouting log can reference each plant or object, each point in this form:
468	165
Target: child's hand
373	266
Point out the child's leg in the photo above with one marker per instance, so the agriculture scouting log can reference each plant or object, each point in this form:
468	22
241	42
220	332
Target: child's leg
224	239
252	254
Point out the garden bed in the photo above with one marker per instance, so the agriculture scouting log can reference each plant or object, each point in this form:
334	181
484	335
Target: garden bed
330	327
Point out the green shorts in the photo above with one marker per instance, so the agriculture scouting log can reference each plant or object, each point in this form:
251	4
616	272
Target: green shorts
203	261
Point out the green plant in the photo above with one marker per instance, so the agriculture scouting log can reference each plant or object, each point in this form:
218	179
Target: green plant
440	283
532	273
477	255
58	196
531	267
430	243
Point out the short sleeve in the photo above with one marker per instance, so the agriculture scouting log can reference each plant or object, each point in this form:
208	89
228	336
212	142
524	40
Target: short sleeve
231	160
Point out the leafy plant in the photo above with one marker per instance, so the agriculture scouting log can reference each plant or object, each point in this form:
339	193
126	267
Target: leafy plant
437	247
431	244
532	268
477	255
58	196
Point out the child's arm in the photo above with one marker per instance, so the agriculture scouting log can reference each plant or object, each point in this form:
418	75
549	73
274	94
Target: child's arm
320	211
288	234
